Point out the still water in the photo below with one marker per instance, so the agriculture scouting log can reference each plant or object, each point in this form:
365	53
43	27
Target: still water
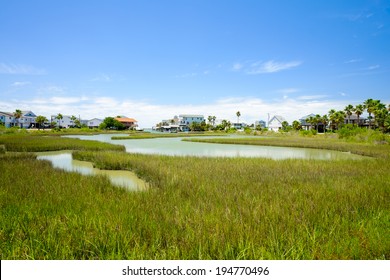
63	160
176	147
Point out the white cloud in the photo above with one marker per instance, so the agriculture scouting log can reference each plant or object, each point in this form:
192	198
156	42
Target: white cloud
354	60
20	84
237	66
372	67
148	114
272	67
312	97
20	69
288	90
187	75
102	78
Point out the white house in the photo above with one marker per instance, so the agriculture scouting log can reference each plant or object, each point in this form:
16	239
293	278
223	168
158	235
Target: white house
94	123
7	119
275	123
65	122
27	120
186	120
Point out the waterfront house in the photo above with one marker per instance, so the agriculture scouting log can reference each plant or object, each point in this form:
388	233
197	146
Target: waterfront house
65	122
7	119
304	124
353	119
127	122
94	123
262	124
185	121
275	123
27	120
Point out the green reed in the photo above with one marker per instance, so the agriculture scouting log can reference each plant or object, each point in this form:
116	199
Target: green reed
196	208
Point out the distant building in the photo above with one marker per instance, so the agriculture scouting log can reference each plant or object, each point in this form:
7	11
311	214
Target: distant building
353	119
304	124
185	121
275	123
94	123
7	119
261	123
127	122
238	125
65	122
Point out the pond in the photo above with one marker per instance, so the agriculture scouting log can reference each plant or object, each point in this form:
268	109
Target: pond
63	160
176	147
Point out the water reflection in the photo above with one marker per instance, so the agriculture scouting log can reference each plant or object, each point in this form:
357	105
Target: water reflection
176	147
63	160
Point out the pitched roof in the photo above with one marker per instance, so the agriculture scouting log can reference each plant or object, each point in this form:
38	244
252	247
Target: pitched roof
278	118
126	120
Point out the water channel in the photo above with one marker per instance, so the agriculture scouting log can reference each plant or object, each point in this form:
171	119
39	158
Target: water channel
63	160
176	147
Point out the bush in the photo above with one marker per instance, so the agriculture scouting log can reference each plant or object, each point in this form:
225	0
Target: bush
310	132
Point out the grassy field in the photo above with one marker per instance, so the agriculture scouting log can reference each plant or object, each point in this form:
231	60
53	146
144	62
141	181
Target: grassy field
360	148
196	208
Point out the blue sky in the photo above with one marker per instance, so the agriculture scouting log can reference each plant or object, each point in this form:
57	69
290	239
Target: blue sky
151	60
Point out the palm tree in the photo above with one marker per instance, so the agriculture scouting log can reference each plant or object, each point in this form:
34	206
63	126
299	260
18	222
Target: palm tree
380	114
310	120
331	114
40	120
339	118
17	114
348	110
59	117
359	109
324	120
370	105
296	125
73	119
238	114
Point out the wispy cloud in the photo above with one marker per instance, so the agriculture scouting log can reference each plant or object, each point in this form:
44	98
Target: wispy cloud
237	66
312	97
187	75
20	69
373	67
288	90
102	78
20	84
354	60
272	66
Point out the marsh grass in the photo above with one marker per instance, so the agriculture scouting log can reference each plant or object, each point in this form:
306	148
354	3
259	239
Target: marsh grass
360	148
34	143
196	208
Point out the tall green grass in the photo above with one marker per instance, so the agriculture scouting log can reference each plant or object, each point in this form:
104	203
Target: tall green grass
360	148
196	208
34	143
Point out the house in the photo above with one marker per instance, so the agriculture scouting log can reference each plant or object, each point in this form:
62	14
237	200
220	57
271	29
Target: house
304	124
7	119
238	125
127	122
27	120
172	128
275	123
261	123
353	119
185	121
65	122
94	123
